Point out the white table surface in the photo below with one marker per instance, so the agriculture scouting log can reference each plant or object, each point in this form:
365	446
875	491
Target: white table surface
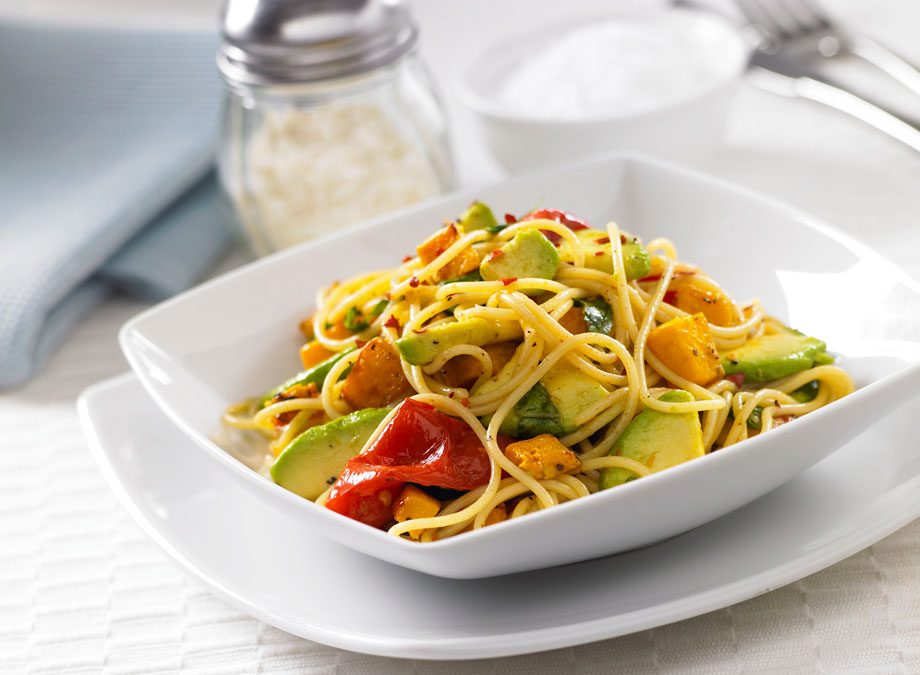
83	590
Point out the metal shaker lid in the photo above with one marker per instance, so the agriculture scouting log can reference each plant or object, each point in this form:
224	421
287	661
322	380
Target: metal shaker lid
295	41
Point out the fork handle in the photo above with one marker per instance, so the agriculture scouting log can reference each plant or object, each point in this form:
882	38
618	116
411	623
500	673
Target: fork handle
839	99
885	60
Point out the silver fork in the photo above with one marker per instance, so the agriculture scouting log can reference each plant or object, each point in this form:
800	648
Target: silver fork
793	37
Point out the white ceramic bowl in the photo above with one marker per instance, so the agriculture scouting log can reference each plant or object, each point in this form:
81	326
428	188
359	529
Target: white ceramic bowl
686	129
237	335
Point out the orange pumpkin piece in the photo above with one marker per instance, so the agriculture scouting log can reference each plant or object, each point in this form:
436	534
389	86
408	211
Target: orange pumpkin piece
542	456
440	241
376	380
313	353
306	327
685	346
336	331
295	391
412	504
697	294
574	321
464	370
496	515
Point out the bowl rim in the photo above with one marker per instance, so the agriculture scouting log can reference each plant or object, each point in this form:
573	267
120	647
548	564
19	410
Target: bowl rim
131	331
471	97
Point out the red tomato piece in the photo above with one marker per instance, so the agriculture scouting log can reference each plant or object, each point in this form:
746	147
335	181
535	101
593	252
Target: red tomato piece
419	445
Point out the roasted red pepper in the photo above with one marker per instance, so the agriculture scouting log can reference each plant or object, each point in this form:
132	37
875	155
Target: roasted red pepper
419	445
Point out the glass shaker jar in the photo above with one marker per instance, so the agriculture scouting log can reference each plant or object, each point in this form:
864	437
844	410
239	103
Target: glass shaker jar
329	117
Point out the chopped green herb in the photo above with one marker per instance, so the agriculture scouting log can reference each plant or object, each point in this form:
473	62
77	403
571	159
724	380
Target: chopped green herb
354	320
755	419
807	392
537	414
598	314
377	309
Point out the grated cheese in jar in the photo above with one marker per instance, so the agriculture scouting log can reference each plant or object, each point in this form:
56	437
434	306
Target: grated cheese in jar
311	172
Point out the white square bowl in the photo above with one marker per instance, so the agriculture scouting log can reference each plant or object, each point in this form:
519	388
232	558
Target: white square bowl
236	336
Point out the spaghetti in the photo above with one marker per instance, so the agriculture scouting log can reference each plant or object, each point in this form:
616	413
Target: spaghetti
641	338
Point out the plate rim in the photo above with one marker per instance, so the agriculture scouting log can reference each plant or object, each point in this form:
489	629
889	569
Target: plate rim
826	554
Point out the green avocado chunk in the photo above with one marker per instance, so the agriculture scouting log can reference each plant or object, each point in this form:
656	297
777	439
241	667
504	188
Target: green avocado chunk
771	357
477	217
312	461
528	255
551	405
315	375
599	256
658	440
424	347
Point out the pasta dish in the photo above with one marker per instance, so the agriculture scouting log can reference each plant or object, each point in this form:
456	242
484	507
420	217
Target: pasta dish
508	367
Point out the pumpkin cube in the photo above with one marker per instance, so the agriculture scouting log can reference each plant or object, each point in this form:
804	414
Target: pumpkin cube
685	346
542	456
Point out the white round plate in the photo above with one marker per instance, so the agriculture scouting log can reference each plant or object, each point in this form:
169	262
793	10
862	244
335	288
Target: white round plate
259	560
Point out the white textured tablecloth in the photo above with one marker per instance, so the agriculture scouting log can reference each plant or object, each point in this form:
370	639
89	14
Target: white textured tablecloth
83	590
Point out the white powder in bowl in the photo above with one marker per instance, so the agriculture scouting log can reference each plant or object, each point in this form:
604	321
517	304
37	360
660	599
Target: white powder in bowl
612	67
311	172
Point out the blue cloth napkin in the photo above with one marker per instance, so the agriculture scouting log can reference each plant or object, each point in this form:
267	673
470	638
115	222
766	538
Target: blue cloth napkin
106	179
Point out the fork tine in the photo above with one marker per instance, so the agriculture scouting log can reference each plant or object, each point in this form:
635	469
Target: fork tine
787	24
802	13
754	12
816	13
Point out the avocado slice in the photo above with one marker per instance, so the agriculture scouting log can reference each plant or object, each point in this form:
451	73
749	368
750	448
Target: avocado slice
315	375
598	255
572	392
771	357
551	405
424	347
659	440
312	461
528	255
636	260
477	217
